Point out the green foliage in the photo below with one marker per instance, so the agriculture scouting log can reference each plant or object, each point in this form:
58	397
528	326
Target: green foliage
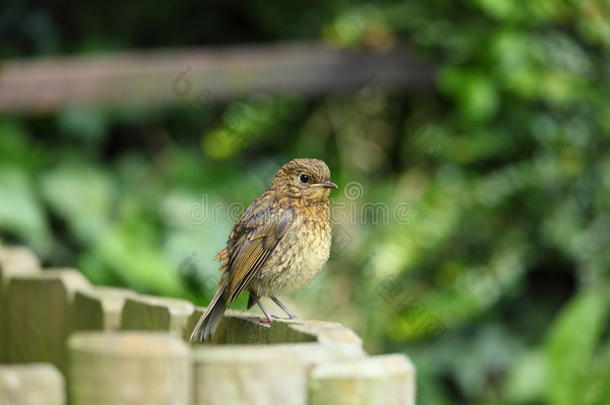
571	349
495	275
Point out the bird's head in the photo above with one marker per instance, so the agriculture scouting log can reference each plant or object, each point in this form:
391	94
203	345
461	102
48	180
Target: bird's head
304	178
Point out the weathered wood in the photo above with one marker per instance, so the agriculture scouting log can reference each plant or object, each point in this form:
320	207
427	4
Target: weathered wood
239	327
288	363
99	308
17	260
31	384
39	313
261	374
202	75
380	380
145	312
129	368
244	328
13	261
325	332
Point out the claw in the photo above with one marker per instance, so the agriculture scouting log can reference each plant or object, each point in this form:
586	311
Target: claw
265	321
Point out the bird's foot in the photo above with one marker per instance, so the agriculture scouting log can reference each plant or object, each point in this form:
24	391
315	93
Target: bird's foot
265	321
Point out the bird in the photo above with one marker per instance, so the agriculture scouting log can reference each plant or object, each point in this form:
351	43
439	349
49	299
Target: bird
278	245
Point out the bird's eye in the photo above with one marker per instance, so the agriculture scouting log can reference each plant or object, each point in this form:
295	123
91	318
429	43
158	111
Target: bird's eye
304	178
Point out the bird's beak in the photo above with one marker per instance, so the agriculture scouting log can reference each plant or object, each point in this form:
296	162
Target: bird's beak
326	184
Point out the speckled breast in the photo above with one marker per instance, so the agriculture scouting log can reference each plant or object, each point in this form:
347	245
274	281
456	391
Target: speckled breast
298	258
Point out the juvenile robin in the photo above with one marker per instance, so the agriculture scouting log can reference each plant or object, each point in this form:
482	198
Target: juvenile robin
278	245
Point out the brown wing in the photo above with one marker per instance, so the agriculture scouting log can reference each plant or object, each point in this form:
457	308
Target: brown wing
250	249
252	218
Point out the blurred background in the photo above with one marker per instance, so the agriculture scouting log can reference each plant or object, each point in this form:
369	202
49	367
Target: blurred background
472	220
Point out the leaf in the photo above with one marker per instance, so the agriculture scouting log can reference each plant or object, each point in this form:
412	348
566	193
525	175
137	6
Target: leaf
83	122
475	92
570	346
20	210
81	195
526	380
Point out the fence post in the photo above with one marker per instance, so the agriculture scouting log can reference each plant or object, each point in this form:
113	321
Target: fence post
380	380
243	328
145	312
99	308
13	261
129	368
261	374
39	313
31	384
287	363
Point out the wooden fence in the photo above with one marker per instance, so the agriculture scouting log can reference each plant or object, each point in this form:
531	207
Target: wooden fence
64	341
196	75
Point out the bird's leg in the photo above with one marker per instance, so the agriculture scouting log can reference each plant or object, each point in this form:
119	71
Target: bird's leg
267	319
284	308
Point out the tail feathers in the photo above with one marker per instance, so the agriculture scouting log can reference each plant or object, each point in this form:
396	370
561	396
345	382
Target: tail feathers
207	324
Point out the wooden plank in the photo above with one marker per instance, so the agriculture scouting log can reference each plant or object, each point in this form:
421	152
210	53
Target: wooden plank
325	332
129	368
146	312
39	314
13	262
99	308
273	374
238	327
379	380
16	260
31	384
202	75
